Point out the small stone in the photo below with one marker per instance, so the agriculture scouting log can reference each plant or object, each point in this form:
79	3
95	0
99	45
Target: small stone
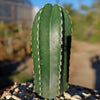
14	86
30	86
15	83
23	83
8	97
16	90
6	93
61	98
25	96
86	95
76	97
97	95
67	95
95	91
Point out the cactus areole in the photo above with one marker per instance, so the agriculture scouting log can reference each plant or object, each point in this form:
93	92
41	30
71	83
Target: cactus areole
51	42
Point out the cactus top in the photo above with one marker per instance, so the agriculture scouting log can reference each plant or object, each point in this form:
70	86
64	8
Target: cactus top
50	33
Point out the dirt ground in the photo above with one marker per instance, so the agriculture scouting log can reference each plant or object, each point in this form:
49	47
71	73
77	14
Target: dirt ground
85	65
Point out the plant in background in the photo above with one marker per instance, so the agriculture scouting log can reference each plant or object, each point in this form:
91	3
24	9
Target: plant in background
51	42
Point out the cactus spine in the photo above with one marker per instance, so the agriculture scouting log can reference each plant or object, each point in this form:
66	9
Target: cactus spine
51	40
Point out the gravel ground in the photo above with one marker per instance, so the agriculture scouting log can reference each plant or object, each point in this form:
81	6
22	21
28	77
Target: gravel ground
24	91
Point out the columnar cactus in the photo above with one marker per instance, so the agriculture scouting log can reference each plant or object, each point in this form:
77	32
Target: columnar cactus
51	41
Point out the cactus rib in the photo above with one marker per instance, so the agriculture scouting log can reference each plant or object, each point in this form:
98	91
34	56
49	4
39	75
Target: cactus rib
38	55
61	42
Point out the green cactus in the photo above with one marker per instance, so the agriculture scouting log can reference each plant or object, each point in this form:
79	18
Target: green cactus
51	41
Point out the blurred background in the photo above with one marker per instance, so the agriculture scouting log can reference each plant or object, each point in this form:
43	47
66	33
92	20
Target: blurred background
16	18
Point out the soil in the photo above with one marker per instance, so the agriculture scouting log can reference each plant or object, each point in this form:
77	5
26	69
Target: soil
25	91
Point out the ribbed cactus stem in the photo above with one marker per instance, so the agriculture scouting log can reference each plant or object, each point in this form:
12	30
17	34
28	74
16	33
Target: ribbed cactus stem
51	41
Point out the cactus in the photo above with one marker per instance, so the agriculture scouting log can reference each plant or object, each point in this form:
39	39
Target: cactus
51	41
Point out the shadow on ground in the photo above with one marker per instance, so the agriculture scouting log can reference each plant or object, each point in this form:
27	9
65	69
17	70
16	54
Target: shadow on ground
6	70
95	61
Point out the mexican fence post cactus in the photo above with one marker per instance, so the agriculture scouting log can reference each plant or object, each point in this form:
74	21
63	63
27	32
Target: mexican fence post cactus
51	41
